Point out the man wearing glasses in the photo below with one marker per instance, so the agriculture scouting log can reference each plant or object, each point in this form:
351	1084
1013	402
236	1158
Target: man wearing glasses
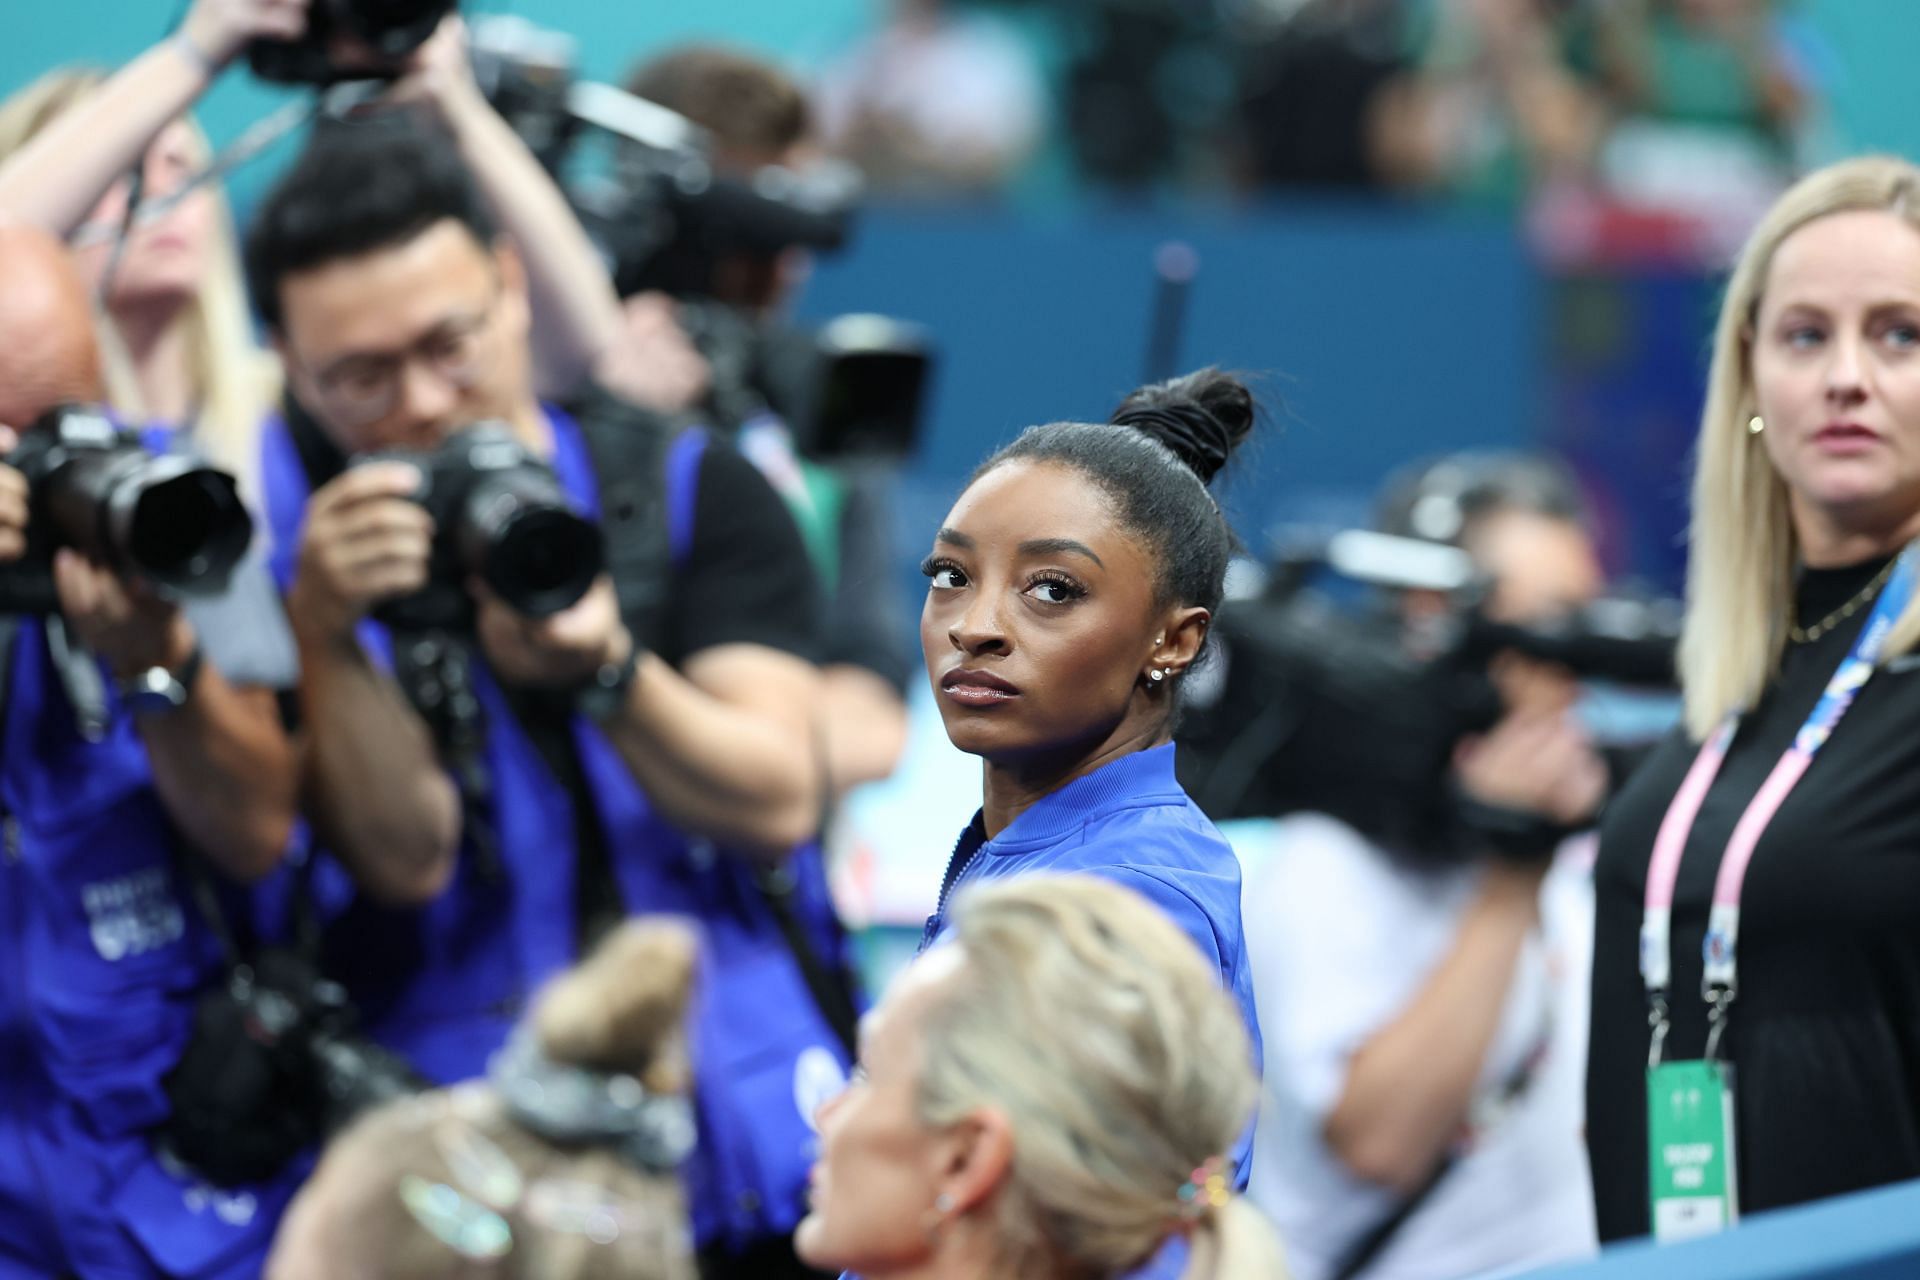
685	776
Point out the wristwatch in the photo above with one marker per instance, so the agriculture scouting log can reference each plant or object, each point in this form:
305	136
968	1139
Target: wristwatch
158	690
605	692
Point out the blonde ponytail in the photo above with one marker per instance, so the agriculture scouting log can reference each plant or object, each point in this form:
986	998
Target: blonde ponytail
1235	1242
1094	1024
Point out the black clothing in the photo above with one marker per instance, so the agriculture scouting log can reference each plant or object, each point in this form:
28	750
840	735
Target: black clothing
738	584
1825	1033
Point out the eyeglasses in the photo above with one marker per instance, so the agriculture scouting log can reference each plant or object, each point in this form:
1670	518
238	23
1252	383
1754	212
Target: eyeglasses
365	388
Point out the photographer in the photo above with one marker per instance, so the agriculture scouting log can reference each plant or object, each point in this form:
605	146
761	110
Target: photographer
757	117
503	789
1424	1051
130	758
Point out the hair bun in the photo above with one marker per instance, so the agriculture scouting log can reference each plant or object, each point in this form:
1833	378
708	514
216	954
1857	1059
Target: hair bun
1202	417
624	1007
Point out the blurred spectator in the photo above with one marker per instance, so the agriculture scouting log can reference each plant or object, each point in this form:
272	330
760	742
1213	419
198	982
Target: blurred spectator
559	1168
938	101
1311	95
1706	103
1423	1004
176	341
1470	97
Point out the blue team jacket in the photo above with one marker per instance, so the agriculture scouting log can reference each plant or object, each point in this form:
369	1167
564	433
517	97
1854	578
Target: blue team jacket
444	983
101	958
1132	823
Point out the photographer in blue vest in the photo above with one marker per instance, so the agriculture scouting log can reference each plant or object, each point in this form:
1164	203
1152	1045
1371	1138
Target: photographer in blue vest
136	765
503	788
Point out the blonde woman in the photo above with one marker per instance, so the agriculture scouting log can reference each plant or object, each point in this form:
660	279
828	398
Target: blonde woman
177	332
1052	1093
561	1167
1758	882
176	339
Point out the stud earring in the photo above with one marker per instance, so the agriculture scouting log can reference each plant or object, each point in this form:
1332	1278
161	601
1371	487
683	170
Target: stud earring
934	1221
1755	425
1156	675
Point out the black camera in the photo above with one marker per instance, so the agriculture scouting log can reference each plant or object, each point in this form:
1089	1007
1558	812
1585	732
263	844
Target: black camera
383	32
1315	705
501	515
276	1064
166	519
665	220
856	386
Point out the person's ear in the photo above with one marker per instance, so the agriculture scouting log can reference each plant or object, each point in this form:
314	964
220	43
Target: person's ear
1177	645
975	1159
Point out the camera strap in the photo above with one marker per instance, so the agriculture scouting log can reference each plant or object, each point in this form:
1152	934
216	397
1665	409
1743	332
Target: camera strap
648	473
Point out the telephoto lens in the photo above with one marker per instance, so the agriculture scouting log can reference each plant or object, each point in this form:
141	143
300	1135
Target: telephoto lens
166	519
500	515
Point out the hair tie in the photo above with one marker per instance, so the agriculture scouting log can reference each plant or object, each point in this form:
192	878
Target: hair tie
572	1104
1205	1189
1194	435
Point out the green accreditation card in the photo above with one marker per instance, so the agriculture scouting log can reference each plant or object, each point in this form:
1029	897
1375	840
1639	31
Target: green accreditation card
1690	1146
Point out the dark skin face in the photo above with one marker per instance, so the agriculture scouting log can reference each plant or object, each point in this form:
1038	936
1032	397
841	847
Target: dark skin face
1041	632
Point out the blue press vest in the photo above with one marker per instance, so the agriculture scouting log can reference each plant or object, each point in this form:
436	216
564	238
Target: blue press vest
101	958
1130	822
444	983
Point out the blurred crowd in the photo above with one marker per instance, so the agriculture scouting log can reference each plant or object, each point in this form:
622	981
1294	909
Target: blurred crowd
1678	119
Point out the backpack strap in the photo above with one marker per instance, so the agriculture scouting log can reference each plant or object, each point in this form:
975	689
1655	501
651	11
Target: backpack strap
628	447
683	487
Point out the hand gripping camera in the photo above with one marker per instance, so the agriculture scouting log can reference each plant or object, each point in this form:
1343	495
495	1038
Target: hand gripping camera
384	30
166	519
501	515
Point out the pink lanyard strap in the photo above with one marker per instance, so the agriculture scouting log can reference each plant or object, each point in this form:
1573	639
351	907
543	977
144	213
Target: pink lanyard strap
1719	974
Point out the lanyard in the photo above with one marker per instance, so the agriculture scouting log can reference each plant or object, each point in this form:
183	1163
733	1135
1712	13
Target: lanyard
1717	984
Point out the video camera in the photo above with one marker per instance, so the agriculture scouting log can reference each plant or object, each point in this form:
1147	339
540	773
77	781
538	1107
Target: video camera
172	522
666	219
1316	706
500	515
380	32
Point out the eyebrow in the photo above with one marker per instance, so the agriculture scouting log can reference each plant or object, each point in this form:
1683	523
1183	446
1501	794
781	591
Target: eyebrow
1031	547
1059	546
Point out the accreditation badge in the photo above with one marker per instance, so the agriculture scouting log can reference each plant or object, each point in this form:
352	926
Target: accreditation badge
1690	1149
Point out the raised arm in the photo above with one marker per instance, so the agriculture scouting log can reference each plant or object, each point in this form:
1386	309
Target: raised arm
575	311
55	180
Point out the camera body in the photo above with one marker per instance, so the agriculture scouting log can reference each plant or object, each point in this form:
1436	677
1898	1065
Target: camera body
500	514
854	387
1314	706
170	521
666	219
388	30
275	1065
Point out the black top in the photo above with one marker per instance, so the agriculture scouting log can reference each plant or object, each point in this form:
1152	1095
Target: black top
1825	1032
746	578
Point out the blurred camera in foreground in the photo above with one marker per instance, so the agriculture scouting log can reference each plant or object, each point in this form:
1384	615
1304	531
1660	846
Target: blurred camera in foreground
165	519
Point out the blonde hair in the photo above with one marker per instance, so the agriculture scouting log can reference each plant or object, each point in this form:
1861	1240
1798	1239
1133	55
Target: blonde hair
1094	1024
1743	550
624	1010
235	381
